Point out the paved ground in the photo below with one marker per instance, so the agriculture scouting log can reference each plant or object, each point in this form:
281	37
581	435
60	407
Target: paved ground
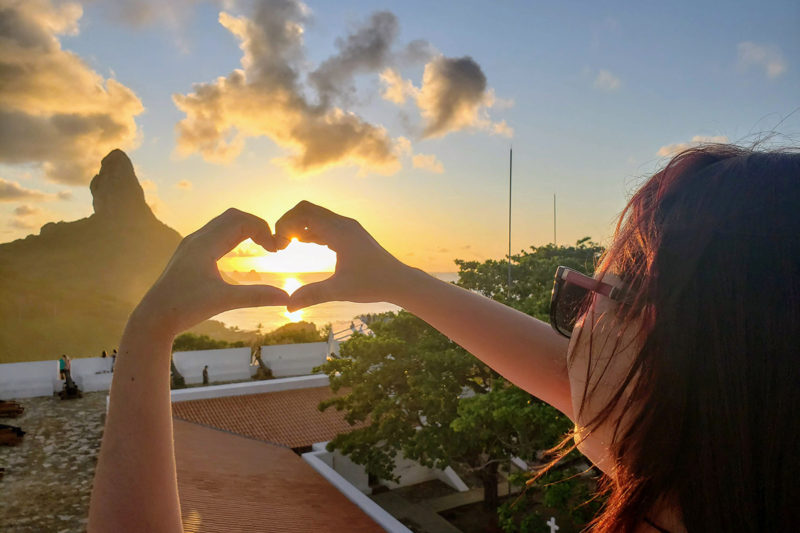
48	476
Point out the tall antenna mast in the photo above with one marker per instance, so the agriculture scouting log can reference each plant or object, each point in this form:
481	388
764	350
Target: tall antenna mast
510	160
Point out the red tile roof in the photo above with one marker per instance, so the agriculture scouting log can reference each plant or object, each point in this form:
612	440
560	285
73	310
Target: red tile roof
290	418
229	483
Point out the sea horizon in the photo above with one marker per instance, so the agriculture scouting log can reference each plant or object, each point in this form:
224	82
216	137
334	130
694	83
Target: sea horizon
338	314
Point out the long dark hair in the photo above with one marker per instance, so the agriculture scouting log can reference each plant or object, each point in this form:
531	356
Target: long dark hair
709	248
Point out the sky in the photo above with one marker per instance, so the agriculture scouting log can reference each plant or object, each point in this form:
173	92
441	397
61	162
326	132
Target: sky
398	114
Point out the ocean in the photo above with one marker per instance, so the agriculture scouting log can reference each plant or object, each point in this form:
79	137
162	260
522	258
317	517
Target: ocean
338	314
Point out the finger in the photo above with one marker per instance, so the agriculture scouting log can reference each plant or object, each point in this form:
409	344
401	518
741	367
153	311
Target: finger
236	296
310	223
224	232
312	294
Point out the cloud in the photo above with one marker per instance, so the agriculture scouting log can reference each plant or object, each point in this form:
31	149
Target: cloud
670	150
454	96
367	49
428	162
25	210
11	191
395	88
761	56
64	195
606	81
265	98
184	185
501	128
453	92
21	223
55	110
25	217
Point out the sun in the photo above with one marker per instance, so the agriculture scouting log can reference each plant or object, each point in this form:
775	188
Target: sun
295	316
297	257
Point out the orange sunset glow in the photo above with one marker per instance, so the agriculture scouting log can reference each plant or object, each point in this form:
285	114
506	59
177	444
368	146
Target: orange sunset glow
297	257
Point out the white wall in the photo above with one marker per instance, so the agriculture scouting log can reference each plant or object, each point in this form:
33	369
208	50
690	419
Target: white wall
92	373
410	472
26	380
250	387
372	509
294	359
227	364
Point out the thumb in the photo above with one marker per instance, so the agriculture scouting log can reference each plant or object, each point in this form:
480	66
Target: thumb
312	294
237	296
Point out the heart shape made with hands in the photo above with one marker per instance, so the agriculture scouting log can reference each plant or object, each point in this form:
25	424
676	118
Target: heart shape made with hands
288	269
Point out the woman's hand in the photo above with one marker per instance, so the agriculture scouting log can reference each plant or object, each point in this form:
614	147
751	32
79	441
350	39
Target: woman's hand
365	272
191	288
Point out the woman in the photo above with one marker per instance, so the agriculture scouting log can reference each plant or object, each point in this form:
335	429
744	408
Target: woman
680	372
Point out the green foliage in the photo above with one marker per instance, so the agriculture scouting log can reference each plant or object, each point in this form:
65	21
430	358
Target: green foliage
406	376
295	333
424	397
561	491
188	342
531	274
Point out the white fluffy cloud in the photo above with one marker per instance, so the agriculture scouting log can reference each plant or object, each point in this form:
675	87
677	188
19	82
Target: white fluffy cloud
670	150
428	162
454	96
11	191
266	98
606	81
54	109
25	210
761	56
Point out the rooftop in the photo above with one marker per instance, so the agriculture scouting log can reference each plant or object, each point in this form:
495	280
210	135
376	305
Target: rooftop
288	418
229	483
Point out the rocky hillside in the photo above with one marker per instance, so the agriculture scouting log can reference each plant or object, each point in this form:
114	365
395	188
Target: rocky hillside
71	288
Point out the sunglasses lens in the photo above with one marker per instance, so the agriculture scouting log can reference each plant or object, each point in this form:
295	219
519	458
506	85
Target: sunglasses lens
572	302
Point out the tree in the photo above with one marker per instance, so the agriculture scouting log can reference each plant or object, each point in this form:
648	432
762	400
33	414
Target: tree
429	400
531	274
295	332
424	397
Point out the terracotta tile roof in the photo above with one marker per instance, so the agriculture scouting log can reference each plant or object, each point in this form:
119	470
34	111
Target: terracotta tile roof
290	418
229	483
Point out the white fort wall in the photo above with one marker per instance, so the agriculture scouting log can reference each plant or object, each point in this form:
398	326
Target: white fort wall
26	380
41	378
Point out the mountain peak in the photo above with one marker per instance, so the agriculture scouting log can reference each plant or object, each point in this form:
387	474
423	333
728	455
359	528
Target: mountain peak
116	191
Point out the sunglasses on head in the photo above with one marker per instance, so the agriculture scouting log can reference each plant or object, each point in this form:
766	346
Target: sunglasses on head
571	297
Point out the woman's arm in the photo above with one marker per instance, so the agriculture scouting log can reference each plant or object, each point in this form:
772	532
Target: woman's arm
135	484
523	349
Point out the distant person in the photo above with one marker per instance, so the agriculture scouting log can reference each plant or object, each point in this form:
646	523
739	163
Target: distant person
62	366
67	370
677	362
104	354
113	359
205	375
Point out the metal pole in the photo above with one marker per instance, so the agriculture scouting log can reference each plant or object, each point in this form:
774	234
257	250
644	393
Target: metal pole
510	160
554	220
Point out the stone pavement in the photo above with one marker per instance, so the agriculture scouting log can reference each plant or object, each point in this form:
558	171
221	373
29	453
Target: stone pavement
48	478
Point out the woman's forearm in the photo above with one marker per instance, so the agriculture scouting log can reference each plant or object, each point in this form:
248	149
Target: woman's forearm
521	348
135	482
